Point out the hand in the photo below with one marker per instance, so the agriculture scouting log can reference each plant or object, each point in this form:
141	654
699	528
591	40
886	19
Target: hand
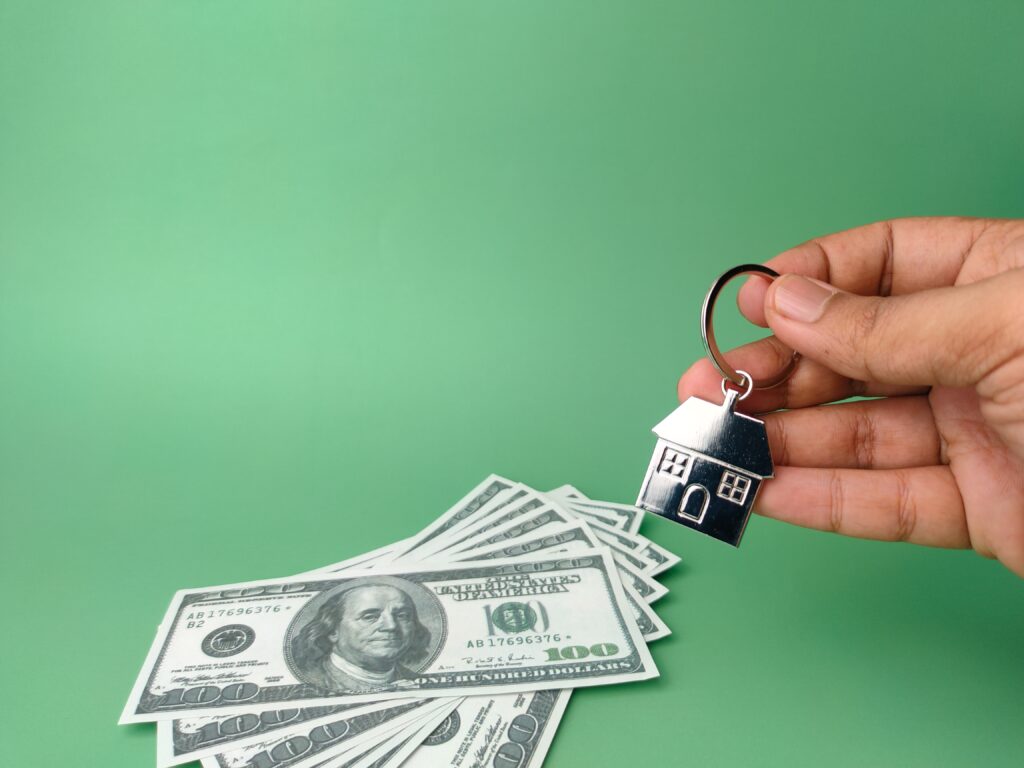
928	316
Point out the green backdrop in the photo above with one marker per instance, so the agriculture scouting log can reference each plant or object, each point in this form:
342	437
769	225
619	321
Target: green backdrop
279	281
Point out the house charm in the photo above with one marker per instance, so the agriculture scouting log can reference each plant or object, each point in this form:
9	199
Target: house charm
707	466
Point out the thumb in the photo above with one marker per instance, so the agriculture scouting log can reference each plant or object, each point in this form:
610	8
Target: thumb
948	336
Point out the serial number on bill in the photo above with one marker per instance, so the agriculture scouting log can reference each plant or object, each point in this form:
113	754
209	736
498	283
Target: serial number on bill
222	612
498	642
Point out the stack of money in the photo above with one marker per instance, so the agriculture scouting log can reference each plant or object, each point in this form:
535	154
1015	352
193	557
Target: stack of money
458	646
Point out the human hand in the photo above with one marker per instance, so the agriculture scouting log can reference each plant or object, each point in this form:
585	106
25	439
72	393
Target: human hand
927	316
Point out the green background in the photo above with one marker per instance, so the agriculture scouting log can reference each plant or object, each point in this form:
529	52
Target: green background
279	281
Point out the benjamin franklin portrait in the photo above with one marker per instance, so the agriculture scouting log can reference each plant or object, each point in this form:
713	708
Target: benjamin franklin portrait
365	636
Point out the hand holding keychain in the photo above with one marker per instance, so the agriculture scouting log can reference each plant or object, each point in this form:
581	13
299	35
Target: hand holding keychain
709	461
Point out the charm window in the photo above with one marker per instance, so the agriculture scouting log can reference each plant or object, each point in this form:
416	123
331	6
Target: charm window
734	487
674	462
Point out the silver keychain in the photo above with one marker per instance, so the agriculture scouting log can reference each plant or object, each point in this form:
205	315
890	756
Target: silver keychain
709	461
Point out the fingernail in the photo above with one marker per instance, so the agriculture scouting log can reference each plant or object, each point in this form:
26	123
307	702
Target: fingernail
800	298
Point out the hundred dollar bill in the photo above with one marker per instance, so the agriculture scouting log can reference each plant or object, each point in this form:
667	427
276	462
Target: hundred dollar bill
533	515
656	558
661	557
567	491
626	517
396	749
513	730
626	544
187	739
312	744
368	560
505	523
466	507
184	740
528	524
453	630
533	510
546	538
629	517
573	537
524	501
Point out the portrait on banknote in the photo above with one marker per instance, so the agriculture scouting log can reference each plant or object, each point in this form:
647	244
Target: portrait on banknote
367	634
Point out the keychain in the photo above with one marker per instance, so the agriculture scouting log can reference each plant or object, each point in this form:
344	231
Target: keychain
709	460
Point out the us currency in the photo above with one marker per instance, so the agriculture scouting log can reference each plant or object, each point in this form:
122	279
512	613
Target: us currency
496	520
465	520
640	553
396	748
184	740
371	559
567	491
187	739
514	729
626	516
522	501
494	486
575	537
629	517
516	527
498	627
658	559
530	516
313	744
648	588
192	738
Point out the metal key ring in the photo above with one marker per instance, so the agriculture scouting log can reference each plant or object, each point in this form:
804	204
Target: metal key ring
740	378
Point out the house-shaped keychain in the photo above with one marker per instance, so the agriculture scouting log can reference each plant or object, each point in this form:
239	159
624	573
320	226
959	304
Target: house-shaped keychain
707	467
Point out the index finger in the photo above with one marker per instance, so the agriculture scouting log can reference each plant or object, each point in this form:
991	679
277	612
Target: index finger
882	259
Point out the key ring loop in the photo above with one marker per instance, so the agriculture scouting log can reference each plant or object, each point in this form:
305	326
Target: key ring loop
741	379
743	394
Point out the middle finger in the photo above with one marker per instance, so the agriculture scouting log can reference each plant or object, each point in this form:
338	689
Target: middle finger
810	384
868	434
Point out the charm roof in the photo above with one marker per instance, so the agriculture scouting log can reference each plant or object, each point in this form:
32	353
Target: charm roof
719	433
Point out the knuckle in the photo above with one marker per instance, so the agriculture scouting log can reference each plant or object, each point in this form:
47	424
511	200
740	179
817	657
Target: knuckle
863	437
836	502
781	441
906	508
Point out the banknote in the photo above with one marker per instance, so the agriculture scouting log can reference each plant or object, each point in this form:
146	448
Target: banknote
530	523
312	744
553	529
183	740
513	730
491	487
626	516
498	518
462	629
186	739
548	539
368	560
647	587
501	524
396	748
522	502
657	559
574	537
566	491
478	629
661	557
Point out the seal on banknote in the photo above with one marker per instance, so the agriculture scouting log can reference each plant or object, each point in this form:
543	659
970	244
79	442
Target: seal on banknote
369	633
228	640
445	731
